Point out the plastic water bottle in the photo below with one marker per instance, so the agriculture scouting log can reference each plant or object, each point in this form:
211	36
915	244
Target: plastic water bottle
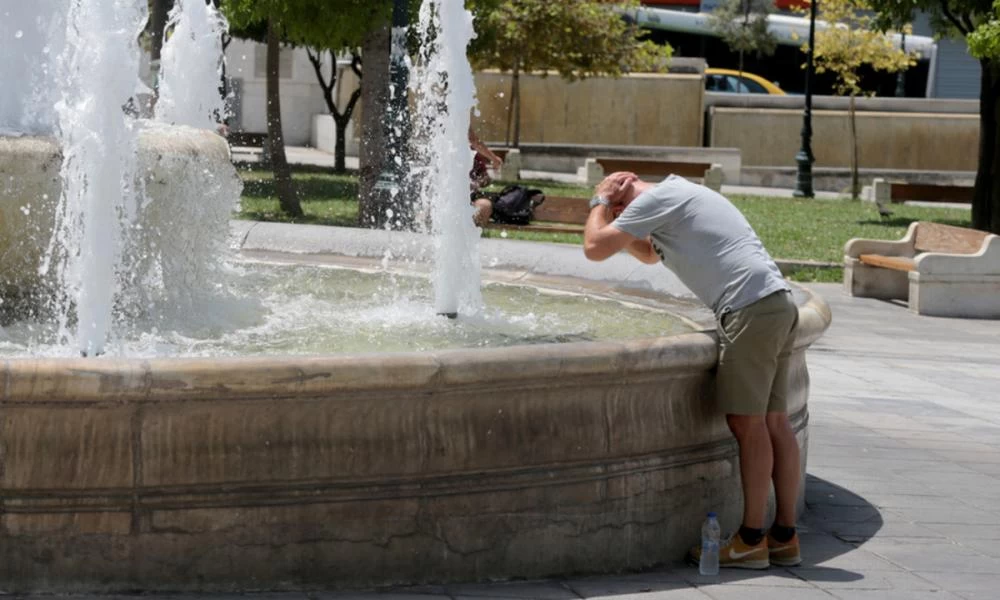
710	534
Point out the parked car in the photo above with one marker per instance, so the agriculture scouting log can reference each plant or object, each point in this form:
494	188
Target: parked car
729	80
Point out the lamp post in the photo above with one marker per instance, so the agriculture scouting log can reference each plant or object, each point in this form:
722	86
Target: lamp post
804	157
396	122
901	74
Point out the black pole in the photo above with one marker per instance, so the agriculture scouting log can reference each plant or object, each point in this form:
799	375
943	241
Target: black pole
396	122
804	157
398	116
901	74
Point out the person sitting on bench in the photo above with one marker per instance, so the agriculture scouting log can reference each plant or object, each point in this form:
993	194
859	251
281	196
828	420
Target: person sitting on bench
480	178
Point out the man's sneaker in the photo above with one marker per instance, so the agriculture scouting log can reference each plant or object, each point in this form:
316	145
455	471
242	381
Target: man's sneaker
735	554
785	554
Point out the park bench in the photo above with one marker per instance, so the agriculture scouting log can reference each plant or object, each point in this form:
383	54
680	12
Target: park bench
902	191
557	214
940	270
595	169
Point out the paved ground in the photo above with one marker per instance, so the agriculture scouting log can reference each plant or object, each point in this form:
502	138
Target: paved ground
904	476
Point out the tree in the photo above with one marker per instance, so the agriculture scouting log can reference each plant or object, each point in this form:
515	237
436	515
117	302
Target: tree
323	25
575	38
976	21
372	210
742	25
341	118
849	42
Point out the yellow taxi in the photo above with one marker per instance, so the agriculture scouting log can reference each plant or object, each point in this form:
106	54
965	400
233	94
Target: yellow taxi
730	80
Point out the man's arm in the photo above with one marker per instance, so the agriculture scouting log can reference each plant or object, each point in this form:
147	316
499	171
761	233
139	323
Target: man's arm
601	239
643	250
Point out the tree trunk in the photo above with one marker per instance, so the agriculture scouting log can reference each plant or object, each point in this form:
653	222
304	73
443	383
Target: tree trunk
852	115
375	99
340	145
739	84
986	198
510	113
283	186
516	100
158	26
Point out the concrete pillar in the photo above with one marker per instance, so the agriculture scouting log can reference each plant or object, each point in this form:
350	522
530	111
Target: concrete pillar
714	177
510	170
591	172
881	191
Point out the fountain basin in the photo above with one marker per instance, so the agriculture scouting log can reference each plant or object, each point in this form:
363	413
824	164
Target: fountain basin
368	470
174	164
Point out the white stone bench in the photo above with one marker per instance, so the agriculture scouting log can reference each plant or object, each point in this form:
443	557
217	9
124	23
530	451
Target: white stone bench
940	270
595	169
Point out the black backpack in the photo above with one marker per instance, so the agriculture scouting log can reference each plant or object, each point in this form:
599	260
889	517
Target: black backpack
515	205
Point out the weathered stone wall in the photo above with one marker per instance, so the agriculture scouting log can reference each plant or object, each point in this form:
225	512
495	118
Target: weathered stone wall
354	471
638	110
896	140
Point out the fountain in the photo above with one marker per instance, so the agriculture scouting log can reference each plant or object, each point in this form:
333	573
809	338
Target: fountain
340	470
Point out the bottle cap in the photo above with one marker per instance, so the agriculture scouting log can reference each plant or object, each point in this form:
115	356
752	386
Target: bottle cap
711	515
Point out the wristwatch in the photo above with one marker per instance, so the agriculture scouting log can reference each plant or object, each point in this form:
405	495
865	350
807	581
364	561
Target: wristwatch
598	200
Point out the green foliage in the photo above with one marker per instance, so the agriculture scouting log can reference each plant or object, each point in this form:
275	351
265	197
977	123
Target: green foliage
742	25
575	38
321	24
853	40
984	41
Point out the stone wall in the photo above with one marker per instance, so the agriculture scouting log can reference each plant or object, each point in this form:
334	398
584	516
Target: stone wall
886	140
638	110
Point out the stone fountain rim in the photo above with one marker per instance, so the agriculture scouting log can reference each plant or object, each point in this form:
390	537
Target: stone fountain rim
89	380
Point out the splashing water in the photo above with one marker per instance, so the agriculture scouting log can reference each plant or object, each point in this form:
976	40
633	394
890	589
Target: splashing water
99	141
191	66
31	39
445	94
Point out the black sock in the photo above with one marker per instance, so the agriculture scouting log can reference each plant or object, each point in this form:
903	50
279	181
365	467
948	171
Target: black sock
782	533
751	537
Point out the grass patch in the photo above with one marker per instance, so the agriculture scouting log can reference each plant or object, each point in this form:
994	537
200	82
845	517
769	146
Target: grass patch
791	228
327	198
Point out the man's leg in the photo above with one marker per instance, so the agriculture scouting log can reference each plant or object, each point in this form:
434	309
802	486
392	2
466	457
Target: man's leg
786	467
483	211
756	465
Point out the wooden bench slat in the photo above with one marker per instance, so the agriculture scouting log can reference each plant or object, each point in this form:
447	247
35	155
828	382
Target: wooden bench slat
896	263
935	237
925	192
539	227
653	167
561	209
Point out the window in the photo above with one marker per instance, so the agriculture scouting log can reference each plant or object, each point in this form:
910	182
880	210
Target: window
745	85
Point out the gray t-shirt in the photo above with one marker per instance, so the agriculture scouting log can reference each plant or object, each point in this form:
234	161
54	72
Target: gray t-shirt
706	241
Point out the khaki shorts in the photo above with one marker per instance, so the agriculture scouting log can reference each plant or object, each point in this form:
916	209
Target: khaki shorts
753	374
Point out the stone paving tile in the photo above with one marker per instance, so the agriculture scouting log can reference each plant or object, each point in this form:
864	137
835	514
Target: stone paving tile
893	595
616	587
684	592
833	579
534	590
775	577
932	555
964	582
743	592
862	532
946	514
365	596
982	531
989	548
906	500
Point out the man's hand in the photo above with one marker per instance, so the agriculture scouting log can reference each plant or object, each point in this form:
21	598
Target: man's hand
615	186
